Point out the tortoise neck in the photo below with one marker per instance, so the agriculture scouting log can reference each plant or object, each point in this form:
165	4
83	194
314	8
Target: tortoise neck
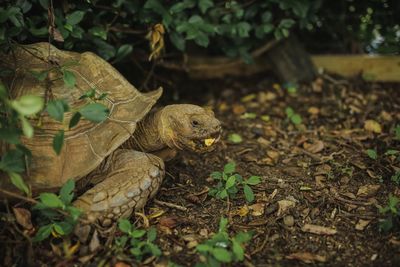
149	134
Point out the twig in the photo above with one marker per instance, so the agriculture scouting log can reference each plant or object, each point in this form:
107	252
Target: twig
170	205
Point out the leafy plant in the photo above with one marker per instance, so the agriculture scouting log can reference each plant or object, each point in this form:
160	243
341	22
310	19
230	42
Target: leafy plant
235	138
372	154
229	183
57	215
392	212
221	248
295	118
396	178
139	242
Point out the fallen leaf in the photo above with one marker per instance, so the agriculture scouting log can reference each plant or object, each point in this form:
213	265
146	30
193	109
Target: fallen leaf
257	209
248	98
169	222
288	220
122	264
386	116
323	169
235	138
315	147
317	85
284	205
362	224
94	242
23	217
317	229
313	110
372	126
319	181
306	257
238	109
368	190
155	213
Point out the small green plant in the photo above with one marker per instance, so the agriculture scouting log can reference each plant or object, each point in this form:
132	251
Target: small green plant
56	212
396	178
230	182
392	212
372	154
294	117
222	248
235	138
397	132
139	242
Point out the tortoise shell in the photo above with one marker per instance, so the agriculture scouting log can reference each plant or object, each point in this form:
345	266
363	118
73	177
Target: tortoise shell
88	143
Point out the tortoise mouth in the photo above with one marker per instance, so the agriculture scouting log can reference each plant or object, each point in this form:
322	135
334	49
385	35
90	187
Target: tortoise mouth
203	144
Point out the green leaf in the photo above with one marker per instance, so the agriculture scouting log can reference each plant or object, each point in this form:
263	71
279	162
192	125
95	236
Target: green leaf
138	233
51	200
216	175
95	112
123	51
235	138
40	75
296	119
67	191
74	120
17	180
230	182
248	193
237	249
69	78
202	39
74	212
63	228
204	5
222	255
27	128
10	135
155	251
223	222
203	248
230	167
75	17
243	29
243	237
253	180
58	141
223	194
12	161
27	105
151	234
125	226
390	152
99	32
43	233
177	40
372	154
289	112
287	23
56	109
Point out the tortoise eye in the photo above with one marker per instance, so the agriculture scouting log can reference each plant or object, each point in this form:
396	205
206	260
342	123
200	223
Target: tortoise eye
195	123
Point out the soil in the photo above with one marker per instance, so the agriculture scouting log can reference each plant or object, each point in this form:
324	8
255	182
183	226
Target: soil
316	173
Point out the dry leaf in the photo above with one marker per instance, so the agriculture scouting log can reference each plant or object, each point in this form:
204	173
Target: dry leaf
243	211
156	39
284	205
306	257
315	147
386	116
155	213
238	109
368	190
317	229
319	181
313	110
23	217
257	209
248	98
169	222
372	126
362	224
94	242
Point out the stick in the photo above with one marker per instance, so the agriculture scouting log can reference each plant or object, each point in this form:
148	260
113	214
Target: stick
170	205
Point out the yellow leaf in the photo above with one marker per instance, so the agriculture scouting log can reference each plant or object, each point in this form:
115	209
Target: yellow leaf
155	213
243	211
156	39
372	126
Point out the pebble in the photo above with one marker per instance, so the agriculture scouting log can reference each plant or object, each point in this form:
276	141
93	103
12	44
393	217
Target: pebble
288	220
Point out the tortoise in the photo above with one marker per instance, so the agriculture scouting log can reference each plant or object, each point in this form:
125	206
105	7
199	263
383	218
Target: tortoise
121	158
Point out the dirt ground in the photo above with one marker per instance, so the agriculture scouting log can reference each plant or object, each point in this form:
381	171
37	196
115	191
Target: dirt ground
313	174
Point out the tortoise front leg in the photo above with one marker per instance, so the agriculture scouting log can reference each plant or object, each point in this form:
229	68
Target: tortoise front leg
131	178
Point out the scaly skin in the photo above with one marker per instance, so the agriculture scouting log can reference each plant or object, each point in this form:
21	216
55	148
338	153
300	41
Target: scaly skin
128	178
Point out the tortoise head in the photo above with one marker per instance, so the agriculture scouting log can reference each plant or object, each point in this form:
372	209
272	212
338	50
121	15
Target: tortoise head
190	127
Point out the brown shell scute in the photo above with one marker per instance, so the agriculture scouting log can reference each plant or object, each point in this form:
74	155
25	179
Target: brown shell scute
88	143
